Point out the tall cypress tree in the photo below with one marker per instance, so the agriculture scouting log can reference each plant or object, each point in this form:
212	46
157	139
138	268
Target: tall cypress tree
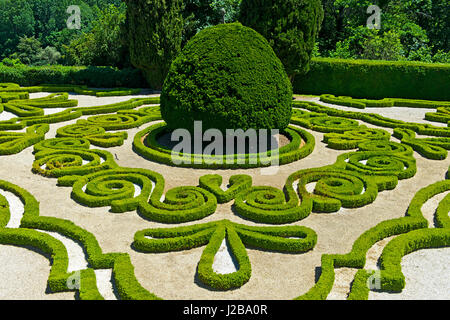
290	26
154	29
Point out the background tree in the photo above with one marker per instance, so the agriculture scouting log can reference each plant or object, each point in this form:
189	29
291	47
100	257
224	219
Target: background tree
290	26
47	56
199	14
104	44
421	25
27	50
385	47
16	20
154	29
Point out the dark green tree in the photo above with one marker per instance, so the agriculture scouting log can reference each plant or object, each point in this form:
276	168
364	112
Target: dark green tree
290	26
154	29
104	44
27	50
16	20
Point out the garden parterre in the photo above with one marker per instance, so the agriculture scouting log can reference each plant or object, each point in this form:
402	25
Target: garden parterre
80	157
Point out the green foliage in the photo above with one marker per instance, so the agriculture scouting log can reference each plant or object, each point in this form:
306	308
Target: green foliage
27	50
146	145
47	56
293	239
324	123
16	20
385	47
290	26
29	236
154	30
354	180
392	278
242	87
372	118
415	30
376	79
237	184
430	148
199	14
30	52
353	138
13	142
414	235
384	103
104	44
103	77
9	62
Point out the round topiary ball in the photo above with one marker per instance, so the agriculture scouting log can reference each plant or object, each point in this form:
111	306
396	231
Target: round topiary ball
228	77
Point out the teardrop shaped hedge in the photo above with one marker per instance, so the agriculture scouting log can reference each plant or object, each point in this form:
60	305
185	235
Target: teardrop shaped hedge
228	77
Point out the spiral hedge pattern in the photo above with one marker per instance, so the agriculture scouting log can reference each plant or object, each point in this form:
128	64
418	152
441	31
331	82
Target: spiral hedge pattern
372	164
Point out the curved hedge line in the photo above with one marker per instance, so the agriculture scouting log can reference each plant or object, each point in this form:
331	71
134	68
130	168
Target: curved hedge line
146	145
28	235
58	163
293	239
354	180
383	103
115	188
414	235
315	110
352	138
430	148
15	142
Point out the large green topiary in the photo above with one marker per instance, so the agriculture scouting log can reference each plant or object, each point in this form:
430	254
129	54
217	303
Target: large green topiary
290	26
228	77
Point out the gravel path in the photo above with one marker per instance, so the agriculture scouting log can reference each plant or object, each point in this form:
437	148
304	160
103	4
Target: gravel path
171	275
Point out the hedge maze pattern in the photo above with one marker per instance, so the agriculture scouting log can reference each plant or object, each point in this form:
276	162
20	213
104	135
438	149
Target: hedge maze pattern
372	164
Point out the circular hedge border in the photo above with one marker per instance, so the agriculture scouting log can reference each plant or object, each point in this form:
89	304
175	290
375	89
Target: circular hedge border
146	145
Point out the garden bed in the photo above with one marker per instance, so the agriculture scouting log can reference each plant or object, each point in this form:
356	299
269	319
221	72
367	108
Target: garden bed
270	240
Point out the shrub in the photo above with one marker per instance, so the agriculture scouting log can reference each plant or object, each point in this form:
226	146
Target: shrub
384	103
293	239
290	26
392	278
104	44
376	79
15	142
98	77
242	87
353	138
430	148
237	184
154	29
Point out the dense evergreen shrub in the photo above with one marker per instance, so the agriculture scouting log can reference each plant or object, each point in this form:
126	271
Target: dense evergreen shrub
228	77
376	79
290	26
98	77
154	32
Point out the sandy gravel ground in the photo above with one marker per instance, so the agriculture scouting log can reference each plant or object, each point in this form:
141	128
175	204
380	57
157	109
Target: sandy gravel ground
173	275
